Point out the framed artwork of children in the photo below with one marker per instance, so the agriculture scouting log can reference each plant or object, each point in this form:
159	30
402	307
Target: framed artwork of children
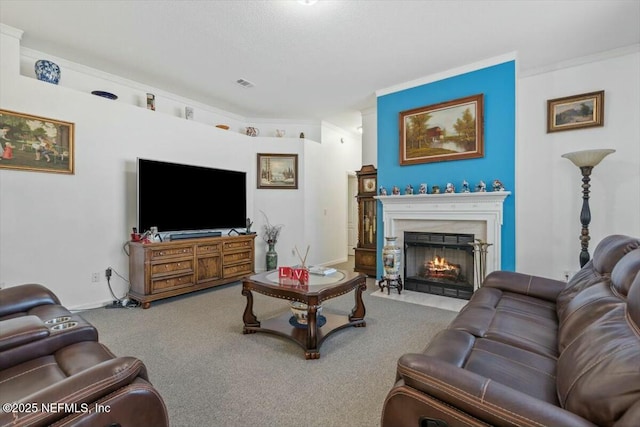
36	144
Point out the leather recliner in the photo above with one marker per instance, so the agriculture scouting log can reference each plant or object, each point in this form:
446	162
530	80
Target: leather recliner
53	370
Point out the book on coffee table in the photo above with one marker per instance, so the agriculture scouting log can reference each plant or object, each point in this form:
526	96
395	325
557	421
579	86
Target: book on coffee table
322	271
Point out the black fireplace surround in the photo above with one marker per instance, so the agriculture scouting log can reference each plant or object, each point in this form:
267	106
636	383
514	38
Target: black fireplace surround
439	263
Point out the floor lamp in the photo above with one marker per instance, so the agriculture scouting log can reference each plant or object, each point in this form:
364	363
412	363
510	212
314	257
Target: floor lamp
586	160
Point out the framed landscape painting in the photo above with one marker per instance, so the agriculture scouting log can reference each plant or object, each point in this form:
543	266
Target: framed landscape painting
37	144
278	171
575	112
450	130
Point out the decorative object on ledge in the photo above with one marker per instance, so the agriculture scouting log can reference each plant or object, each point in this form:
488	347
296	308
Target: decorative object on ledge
47	71
251	131
575	112
277	171
224	127
383	191
42	144
435	189
497	185
151	102
481	187
422	189
395	190
301	135
450	188
104	94
188	113
465	187
280	133
450	130
480	250
586	160
408	189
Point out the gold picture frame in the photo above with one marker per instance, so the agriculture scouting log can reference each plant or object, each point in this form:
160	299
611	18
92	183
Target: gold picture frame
450	130
36	144
277	171
575	112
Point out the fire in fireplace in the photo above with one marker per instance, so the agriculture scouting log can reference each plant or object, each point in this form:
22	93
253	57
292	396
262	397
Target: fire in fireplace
439	263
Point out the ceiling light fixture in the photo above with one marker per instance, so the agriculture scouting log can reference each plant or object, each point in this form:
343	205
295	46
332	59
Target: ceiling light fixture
307	2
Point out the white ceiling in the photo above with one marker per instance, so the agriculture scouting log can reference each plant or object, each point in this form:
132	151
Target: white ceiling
321	62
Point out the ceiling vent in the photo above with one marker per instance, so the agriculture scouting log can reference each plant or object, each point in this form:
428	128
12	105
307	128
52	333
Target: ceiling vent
244	83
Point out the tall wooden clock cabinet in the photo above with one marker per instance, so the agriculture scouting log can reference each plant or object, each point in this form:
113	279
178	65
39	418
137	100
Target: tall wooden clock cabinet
365	252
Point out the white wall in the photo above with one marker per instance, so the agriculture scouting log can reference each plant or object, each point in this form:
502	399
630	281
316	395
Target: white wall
58	229
549	186
370	137
326	209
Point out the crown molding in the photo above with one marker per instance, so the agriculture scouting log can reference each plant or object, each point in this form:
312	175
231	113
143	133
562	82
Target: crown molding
11	31
449	73
574	62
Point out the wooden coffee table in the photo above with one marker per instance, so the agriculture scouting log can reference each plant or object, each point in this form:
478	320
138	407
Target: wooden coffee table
319	289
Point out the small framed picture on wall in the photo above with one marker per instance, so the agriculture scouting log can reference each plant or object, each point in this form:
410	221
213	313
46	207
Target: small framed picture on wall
575	112
278	171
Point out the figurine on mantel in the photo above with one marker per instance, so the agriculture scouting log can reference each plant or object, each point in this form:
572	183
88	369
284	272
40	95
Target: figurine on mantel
383	191
497	185
422	189
465	187
408	189
395	190
450	188
481	187
435	189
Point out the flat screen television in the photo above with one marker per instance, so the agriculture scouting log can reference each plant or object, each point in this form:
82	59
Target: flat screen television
177	197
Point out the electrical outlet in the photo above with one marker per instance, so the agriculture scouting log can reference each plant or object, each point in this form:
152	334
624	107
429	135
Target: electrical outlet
95	277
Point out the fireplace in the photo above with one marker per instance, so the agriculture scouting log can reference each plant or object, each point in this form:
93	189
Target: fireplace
477	214
439	263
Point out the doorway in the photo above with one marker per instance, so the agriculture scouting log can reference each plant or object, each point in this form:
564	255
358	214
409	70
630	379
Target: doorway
352	215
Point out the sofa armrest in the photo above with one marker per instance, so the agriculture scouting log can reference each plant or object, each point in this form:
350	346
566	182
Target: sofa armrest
525	284
482	398
21	330
77	392
22	298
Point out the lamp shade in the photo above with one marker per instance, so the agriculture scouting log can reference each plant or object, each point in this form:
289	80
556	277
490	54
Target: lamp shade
588	157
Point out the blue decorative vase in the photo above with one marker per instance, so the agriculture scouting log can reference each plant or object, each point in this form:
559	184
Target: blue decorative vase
47	71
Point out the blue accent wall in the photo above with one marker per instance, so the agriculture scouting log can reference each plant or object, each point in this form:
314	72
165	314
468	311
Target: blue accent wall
498	84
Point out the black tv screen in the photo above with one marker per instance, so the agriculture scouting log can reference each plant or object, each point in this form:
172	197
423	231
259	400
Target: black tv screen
178	197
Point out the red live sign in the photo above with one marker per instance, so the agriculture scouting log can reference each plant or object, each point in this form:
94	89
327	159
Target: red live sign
300	274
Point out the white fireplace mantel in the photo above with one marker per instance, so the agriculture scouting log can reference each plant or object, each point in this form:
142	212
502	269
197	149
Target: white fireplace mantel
419	211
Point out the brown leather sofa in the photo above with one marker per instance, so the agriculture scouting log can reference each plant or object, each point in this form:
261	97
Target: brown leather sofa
53	370
532	351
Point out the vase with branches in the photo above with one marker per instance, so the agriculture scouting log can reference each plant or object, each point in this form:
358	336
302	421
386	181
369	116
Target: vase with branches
270	236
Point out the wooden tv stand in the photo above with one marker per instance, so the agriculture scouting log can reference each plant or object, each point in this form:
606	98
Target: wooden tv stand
166	269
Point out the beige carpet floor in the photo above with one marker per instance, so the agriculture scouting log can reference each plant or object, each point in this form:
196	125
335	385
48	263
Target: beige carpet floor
211	374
